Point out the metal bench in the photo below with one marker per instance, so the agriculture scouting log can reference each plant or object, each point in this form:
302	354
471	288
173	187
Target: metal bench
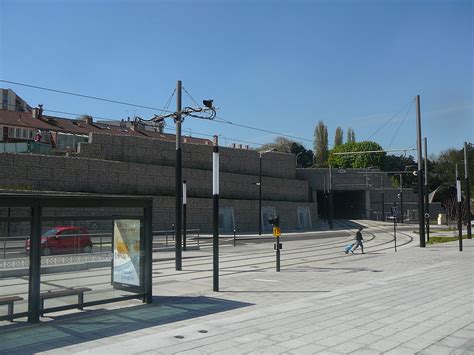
79	291
10	300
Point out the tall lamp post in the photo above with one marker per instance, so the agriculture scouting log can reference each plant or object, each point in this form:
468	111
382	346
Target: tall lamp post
383	199
179	181
331	201
421	207
427	197
468	191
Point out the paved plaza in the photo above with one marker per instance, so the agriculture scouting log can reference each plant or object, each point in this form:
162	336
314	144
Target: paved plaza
413	301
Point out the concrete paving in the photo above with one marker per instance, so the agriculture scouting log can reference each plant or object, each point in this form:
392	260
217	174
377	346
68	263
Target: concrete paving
413	301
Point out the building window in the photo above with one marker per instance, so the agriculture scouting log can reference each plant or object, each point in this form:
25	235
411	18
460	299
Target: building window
24	133
17	132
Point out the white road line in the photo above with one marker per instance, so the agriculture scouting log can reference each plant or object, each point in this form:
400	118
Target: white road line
263	280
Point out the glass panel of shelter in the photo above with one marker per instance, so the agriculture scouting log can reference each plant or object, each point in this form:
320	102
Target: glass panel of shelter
89	260
15	227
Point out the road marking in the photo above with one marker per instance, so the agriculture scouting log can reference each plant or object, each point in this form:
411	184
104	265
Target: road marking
263	280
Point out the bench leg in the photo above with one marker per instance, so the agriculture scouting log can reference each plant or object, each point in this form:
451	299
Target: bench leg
41	307
10	311
80	298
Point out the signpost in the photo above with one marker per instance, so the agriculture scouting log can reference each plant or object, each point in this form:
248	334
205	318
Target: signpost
394	215
275	221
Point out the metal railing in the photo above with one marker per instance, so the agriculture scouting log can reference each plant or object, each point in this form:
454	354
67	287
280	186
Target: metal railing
12	245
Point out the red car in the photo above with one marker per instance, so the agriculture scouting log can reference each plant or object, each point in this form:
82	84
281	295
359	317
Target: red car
64	239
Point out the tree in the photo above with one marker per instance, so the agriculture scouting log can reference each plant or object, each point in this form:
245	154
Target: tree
281	144
357	161
338	137
304	157
401	163
351	138
443	168
321	151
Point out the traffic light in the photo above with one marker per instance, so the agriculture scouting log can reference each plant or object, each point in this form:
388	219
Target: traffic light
275	221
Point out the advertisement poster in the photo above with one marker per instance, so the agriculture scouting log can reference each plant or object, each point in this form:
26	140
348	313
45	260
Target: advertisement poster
127	252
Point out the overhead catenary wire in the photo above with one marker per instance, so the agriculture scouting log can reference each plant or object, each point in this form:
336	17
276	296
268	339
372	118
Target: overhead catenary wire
189	95
217	119
390	119
401	124
81	95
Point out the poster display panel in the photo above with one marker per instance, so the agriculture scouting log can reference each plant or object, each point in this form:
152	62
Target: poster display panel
127	264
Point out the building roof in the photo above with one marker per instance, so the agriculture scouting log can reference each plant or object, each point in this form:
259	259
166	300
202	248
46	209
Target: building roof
81	127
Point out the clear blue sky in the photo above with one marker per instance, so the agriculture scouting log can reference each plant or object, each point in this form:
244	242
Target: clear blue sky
278	65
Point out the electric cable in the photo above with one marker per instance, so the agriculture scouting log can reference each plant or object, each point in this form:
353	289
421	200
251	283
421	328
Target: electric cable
400	125
81	95
192	98
389	120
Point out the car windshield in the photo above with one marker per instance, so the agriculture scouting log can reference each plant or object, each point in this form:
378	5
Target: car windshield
50	232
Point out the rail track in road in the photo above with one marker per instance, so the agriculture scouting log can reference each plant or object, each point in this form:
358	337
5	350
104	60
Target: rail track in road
322	250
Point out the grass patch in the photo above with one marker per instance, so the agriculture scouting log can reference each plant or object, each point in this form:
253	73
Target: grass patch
437	240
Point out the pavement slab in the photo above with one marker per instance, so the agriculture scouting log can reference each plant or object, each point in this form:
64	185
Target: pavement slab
417	300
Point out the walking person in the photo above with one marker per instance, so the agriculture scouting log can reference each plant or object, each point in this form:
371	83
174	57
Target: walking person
359	241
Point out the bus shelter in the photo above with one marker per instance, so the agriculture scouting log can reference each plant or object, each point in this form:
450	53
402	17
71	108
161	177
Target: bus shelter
61	251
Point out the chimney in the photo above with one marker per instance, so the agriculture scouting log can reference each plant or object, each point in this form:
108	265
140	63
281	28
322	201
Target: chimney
247	146
38	112
88	119
233	145
240	146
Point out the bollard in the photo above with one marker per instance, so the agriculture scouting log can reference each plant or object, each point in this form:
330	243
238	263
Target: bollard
234	237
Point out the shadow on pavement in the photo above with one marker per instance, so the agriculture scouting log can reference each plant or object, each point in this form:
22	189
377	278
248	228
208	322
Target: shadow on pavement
92	325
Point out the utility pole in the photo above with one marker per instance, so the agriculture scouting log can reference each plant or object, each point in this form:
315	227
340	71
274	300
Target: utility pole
421	207
383	199
184	214
394	215
260	197
331	201
401	198
468	192
427	197
459	209
215	214
178	180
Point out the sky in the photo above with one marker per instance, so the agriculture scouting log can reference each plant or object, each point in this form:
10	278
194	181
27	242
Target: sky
281	66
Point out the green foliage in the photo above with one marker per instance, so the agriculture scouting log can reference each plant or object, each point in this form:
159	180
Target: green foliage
339	136
304	157
437	240
401	163
351	137
357	161
321	150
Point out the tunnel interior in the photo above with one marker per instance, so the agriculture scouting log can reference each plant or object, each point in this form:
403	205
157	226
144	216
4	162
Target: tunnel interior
348	204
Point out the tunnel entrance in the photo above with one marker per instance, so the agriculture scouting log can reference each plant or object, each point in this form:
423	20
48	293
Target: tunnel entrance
348	204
